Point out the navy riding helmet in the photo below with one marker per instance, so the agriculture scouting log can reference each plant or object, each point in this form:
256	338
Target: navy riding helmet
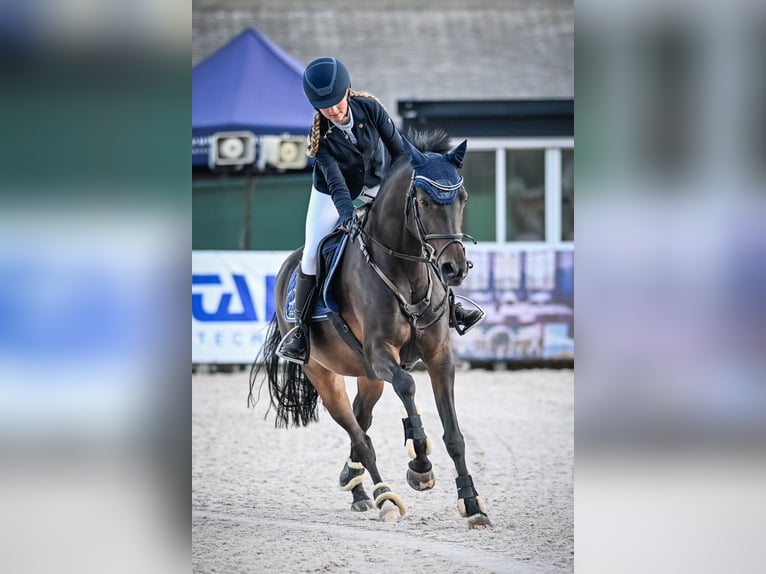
325	82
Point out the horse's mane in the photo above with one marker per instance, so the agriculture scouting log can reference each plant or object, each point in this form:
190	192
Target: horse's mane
431	140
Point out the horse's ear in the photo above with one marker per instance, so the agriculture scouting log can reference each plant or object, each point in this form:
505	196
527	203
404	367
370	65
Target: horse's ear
456	156
417	158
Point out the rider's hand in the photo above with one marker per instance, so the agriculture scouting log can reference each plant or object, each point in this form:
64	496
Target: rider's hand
350	224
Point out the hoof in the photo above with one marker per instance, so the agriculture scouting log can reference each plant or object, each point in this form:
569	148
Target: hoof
479	522
389	512
384	498
362	505
421	480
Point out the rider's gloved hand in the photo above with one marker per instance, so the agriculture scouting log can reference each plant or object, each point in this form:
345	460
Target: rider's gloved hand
350	224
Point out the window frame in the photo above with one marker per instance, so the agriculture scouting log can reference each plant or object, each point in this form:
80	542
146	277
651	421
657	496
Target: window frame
553	148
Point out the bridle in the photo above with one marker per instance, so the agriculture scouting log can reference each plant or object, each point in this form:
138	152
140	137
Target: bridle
430	256
412	205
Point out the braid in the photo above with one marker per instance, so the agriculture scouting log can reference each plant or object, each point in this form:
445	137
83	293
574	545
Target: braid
313	139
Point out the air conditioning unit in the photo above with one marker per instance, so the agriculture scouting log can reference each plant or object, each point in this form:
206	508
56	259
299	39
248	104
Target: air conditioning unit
285	152
232	148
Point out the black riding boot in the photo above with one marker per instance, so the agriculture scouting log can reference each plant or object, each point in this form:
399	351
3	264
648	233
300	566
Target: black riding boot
295	349
466	319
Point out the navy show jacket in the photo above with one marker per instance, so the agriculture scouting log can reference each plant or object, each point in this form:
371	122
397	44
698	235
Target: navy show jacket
341	168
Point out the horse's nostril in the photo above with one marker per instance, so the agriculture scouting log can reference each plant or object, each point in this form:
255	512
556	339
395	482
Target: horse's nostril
449	269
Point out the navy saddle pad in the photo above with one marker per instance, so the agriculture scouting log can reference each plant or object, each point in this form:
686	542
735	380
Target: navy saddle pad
331	251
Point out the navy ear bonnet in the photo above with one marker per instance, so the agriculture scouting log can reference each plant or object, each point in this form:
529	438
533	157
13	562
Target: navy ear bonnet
436	173
439	178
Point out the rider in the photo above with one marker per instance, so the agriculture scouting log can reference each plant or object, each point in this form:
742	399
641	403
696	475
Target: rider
348	135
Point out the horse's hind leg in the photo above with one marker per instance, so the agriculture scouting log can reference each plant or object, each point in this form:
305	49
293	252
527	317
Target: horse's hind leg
332	390
367	395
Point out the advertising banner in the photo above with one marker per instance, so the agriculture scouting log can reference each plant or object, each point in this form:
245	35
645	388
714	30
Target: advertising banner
528	296
529	300
232	303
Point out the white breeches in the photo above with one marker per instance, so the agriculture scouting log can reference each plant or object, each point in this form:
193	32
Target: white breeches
321	218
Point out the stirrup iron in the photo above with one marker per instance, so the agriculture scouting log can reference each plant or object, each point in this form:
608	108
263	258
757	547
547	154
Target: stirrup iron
289	337
463	330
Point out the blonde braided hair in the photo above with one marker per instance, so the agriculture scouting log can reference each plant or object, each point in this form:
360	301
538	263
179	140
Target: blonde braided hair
312	142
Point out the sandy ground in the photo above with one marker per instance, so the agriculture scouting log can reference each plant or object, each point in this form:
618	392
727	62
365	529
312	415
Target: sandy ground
267	500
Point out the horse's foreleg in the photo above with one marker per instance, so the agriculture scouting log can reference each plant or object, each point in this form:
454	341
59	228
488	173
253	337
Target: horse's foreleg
419	474
470	504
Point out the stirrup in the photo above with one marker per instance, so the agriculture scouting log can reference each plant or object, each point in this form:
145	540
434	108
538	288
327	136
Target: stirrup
286	339
463	330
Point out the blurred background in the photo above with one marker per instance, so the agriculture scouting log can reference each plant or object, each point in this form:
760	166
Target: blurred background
95	223
95	218
670	387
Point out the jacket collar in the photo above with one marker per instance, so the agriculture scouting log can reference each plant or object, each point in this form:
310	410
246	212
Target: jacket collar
360	115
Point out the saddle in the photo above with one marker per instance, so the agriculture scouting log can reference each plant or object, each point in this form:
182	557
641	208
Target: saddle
330	250
330	254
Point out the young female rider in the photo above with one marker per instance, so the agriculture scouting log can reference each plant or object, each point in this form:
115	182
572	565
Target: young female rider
348	137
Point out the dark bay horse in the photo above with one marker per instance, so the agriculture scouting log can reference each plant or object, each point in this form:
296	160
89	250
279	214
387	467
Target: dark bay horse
392	291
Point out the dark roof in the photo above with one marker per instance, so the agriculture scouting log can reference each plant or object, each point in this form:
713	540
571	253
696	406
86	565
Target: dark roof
491	118
426	50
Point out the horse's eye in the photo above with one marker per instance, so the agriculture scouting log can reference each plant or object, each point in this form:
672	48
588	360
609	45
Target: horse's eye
423	202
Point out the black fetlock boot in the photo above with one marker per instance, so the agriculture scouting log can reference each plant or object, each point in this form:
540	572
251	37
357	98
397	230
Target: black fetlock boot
462	319
296	348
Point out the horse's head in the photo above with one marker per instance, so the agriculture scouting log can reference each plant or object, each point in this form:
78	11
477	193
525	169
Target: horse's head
436	200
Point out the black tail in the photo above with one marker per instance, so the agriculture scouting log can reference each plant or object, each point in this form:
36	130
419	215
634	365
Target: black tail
293	397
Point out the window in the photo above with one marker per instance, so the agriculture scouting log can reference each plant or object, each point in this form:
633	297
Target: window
479	180
567	195
521	191
525	195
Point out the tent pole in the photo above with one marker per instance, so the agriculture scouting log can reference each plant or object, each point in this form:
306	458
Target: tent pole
248	220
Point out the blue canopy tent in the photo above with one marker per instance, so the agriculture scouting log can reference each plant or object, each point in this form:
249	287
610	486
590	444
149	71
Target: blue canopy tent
249	84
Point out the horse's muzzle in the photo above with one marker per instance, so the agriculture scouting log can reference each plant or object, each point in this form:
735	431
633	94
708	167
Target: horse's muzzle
452	273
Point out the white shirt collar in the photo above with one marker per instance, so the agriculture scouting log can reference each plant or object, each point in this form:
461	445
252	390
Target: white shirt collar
347	126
